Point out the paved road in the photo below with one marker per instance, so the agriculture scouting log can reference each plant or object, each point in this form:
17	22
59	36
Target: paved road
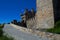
19	35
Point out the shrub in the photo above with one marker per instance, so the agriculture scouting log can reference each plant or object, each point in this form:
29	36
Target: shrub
1	31
57	24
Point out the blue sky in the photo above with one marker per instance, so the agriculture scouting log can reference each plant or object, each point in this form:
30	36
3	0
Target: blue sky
11	9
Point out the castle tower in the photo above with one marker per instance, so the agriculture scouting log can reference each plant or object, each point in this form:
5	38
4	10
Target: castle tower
44	15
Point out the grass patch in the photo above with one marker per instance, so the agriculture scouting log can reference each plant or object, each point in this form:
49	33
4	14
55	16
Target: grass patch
56	28
6	38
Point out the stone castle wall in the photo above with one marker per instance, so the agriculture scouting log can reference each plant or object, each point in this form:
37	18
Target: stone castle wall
31	23
44	17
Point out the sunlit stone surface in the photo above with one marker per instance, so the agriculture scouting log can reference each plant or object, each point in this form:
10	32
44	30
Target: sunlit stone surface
20	33
44	15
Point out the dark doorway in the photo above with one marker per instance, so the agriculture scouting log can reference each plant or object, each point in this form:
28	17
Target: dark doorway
56	6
